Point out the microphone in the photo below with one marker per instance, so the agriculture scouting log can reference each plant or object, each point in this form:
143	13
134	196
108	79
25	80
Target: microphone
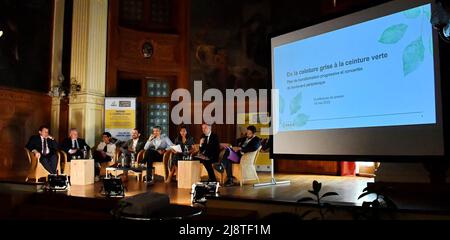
151	138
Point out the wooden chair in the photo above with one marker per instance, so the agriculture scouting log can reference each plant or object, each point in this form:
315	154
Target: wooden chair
37	170
140	156
113	161
64	164
246	169
161	168
139	159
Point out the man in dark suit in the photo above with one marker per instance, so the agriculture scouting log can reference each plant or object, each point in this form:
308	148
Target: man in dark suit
210	149
134	145
249	143
74	146
44	148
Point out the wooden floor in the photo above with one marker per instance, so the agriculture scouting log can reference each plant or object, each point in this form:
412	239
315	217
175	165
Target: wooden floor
349	188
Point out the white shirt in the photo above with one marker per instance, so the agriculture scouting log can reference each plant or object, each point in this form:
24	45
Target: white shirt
46	150
75	144
157	142
110	148
207	137
247	141
135	141
163	142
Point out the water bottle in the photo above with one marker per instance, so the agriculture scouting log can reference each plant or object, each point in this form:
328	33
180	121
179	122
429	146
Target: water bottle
132	160
122	160
84	153
185	153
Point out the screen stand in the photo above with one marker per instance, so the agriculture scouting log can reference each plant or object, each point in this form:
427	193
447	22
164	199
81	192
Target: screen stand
273	181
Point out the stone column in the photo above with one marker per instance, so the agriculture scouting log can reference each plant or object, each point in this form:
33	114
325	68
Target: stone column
88	67
57	52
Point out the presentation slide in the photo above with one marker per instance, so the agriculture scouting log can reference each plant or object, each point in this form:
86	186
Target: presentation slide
363	86
373	74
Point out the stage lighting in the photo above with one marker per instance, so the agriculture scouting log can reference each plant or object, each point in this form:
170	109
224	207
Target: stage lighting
113	187
1	33
57	182
441	19
201	190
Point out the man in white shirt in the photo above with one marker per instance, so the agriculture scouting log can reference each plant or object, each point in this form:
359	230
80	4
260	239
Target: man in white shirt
155	148
105	151
134	145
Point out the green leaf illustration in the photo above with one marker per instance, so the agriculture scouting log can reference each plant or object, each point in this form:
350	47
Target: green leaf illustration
296	104
431	46
413	13
301	120
393	34
427	13
282	105
413	56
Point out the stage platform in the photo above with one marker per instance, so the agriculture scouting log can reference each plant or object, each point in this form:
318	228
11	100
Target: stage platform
348	188
256	202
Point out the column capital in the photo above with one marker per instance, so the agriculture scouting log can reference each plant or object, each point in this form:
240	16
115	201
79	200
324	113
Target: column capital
87	99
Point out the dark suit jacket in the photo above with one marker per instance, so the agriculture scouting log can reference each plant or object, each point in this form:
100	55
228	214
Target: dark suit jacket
139	146
252	146
67	144
35	143
212	148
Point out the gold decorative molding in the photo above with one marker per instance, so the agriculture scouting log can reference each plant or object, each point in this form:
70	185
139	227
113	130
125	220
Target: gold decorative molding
87	99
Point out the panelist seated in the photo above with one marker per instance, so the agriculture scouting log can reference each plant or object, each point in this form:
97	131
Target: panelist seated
105	151
249	143
155	148
74	146
134	145
209	150
44	148
186	142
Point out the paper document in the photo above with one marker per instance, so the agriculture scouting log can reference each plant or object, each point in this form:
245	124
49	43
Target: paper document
177	148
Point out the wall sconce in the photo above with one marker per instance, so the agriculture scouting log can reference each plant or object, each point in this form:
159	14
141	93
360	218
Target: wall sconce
75	87
58	90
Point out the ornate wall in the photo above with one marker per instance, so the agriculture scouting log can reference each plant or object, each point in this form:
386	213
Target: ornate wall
21	114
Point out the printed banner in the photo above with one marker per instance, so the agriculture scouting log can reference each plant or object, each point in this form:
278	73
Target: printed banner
120	117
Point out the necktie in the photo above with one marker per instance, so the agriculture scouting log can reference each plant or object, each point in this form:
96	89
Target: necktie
44	151
73	144
76	144
105	149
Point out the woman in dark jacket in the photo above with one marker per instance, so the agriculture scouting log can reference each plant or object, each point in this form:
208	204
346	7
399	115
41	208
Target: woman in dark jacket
186	143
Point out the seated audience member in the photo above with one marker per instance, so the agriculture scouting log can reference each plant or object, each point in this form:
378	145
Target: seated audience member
250	143
105	151
134	145
44	148
209	150
74	146
155	148
186	142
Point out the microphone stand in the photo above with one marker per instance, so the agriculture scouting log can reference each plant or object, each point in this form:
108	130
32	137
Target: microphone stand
273	181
